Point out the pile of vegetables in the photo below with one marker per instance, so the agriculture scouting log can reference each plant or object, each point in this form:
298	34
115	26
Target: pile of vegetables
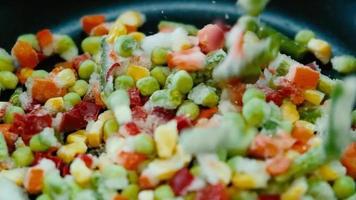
211	113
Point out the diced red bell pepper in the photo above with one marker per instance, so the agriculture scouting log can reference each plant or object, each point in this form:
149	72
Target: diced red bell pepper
91	21
51	155
269	197
27	125
213	192
163	113
88	159
138	113
132	128
183	123
78	117
135	97
180	181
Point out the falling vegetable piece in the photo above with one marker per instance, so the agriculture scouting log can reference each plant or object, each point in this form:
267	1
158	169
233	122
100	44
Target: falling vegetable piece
90	21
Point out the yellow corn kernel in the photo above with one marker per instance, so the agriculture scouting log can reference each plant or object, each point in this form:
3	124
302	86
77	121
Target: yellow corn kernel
243	181
331	171
80	172
289	111
65	78
55	104
94	133
296	191
69	151
131	18
71	138
15	175
138	36
116	30
321	49
137	72
166	137
314	96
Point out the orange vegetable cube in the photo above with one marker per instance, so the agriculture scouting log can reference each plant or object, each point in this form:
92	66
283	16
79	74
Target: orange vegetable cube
34	180
304	77
25	54
91	21
44	37
44	89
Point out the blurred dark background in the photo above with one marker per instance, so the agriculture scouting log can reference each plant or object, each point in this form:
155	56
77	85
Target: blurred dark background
334	20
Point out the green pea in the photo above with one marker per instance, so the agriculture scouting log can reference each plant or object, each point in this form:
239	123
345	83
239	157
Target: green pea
253	93
147	85
189	109
86	68
23	156
131	192
303	36
344	187
92	44
163	192
31	39
64	43
6	61
110	128
180	81
10	113
124	82
8	80
161	74
256	111
159	56
344	64
125	45
143	143
167	98
71	99
36	144
39	74
80	87
204	95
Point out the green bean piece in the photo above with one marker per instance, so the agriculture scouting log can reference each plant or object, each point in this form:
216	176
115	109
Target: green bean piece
304	36
167	98
189	109
80	87
131	192
6	61
125	45
287	46
310	113
39	74
256	111
71	99
326	84
252	93
86	68
30	39
344	64
180	81
22	156
160	74
92	44
110	128
124	82
8	80
37	145
204	95
192	30
144	143
249	23
147	85
159	56
4	152
344	187
10	113
163	192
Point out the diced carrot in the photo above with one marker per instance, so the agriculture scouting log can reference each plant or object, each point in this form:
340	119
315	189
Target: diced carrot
211	38
301	133
67	64
44	89
34	180
236	90
145	182
348	159
207	113
119	197
91	21
190	60
303	76
300	147
9	136
278	165
132	160
130	29
99	30
25	54
264	146
23	74
45	38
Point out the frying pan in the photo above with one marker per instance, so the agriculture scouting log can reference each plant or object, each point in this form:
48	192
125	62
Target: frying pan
332	20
